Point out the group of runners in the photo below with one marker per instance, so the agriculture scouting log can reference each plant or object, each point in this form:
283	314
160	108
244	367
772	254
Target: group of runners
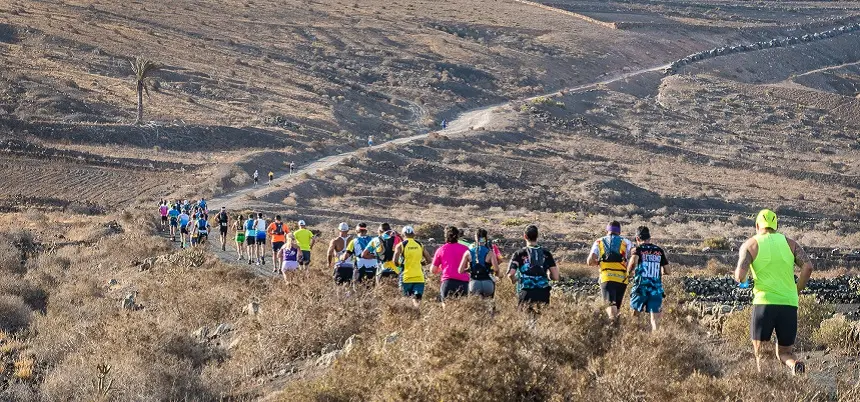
474	267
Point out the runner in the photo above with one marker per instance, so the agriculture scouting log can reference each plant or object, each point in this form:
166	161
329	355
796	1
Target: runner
382	248
292	167
192	229
204	209
447	262
271	177
528	271
369	140
260	230
277	230
306	240
256	177
202	229
184	219
291	255
337	257
610	253
414	256
223	225
647	266
251	239
771	256
173	218
163	210
482	265
239	227
365	268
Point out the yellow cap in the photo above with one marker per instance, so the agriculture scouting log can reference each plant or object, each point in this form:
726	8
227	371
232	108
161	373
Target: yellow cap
766	219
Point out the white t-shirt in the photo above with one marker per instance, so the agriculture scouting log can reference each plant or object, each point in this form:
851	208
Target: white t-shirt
595	248
260	225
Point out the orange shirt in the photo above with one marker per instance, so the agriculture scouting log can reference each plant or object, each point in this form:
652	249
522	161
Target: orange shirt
278	238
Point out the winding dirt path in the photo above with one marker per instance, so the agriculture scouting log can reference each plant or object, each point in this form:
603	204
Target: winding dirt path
466	123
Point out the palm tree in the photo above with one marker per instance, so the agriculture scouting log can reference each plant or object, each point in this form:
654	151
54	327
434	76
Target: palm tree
143	70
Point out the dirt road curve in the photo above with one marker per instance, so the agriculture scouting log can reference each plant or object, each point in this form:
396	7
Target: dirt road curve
465	123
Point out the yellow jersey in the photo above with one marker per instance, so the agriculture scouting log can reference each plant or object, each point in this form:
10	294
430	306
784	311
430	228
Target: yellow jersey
413	253
303	237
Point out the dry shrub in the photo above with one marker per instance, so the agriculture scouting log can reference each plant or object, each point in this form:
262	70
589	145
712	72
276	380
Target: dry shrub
430	230
716	243
834	333
15	315
716	268
469	355
10	259
736	328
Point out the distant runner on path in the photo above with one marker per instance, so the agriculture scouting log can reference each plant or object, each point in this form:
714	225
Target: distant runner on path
610	253
277	231
173	218
292	167
369	140
306	240
163	210
251	239
772	257
239	227
223	227
414	257
336	256
271	176
531	269
446	261
184	219
365	268
647	266
260	229
256	177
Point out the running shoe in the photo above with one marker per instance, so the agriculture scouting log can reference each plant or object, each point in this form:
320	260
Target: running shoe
798	369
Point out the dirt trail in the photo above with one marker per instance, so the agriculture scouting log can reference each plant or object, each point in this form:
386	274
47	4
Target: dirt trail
465	123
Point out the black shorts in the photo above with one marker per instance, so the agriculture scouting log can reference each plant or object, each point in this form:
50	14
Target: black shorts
613	292
534	296
163	219
276	245
767	318
368	273
223	231
453	288
184	230
251	240
342	275
201	237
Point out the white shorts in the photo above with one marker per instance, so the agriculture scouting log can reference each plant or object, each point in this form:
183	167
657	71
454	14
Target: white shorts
290	266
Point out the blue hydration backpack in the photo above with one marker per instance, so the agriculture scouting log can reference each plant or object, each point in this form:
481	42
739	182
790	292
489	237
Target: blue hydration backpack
532	274
479	270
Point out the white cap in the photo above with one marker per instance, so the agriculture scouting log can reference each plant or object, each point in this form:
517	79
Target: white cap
408	230
301	223
343	227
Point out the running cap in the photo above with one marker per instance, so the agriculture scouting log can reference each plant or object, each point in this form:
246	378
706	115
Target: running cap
302	223
766	219
408	230
614	227
643	233
223	208
361	226
343	227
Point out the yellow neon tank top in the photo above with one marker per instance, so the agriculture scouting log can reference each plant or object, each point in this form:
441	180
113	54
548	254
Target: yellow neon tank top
413	252
773	271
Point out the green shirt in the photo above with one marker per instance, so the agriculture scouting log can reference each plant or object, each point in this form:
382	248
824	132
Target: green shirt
773	271
303	237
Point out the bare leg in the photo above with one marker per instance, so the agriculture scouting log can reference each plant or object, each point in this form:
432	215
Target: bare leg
758	349
786	355
655	321
612	312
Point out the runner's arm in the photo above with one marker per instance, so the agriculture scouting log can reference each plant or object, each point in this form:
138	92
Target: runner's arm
427	257
464	263
494	261
802	260
330	251
631	264
593	258
745	259
553	273
398	252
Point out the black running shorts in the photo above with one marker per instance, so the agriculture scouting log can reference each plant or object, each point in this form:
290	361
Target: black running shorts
343	275
251	240
767	318
453	288
613	292
224	231
530	296
276	245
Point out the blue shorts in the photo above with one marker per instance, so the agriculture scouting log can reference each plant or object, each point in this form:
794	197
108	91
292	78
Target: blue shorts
646	303
414	290
261	238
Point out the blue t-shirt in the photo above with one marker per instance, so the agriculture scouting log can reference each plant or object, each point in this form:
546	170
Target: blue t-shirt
647	277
